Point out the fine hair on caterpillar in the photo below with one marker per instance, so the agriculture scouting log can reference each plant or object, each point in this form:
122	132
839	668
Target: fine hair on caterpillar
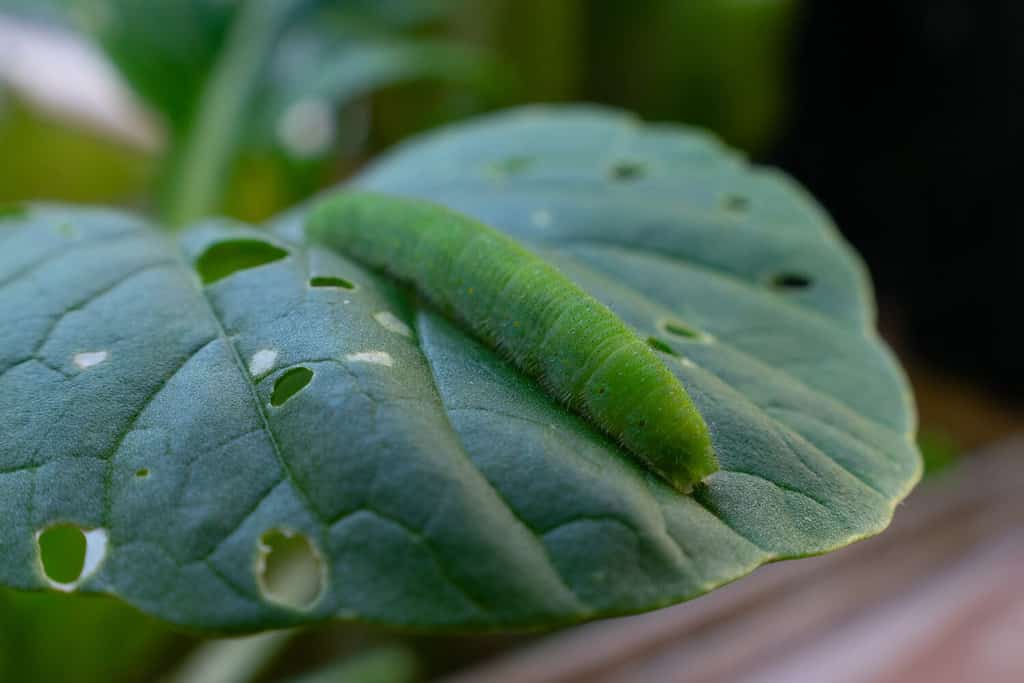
525	308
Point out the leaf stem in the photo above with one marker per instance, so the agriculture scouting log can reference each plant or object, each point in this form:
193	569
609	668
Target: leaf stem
204	155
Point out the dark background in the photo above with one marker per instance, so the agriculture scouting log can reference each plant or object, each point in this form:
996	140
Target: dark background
907	125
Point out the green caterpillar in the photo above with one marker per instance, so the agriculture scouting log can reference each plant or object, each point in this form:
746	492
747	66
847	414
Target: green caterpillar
580	351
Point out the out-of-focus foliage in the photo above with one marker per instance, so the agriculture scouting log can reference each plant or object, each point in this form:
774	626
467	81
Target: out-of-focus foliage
49	637
719	64
300	113
326	98
939	450
46	158
164	49
382	665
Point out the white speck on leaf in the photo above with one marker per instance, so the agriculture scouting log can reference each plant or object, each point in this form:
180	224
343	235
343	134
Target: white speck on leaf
389	322
88	359
541	218
262	362
375	357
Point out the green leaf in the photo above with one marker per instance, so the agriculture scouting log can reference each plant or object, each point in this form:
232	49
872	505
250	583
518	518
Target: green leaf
415	477
79	639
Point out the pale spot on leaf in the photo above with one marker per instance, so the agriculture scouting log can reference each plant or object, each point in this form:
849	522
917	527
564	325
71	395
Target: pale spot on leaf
541	218
88	359
389	322
373	357
262	362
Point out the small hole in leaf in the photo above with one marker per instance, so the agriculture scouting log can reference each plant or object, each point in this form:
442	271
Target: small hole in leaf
628	170
142	474
331	282
680	330
659	345
13	211
69	555
511	166
289	569
225	258
290	383
62	552
791	281
735	202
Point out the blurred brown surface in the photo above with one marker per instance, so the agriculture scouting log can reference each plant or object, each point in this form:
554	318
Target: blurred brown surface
937	597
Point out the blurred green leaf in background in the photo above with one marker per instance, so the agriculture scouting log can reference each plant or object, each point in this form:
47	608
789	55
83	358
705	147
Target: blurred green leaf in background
76	639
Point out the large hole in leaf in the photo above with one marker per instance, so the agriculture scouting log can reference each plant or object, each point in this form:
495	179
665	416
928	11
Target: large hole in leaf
225	258
290	383
323	281
68	554
62	552
289	569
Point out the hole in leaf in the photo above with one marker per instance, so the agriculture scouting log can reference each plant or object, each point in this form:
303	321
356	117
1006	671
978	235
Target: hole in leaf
680	330
735	202
511	166
13	211
659	345
289	569
628	170
62	552
791	281
290	383
331	282
225	258
68	554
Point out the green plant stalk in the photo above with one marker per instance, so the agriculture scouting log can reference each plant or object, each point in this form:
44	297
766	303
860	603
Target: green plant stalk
196	182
